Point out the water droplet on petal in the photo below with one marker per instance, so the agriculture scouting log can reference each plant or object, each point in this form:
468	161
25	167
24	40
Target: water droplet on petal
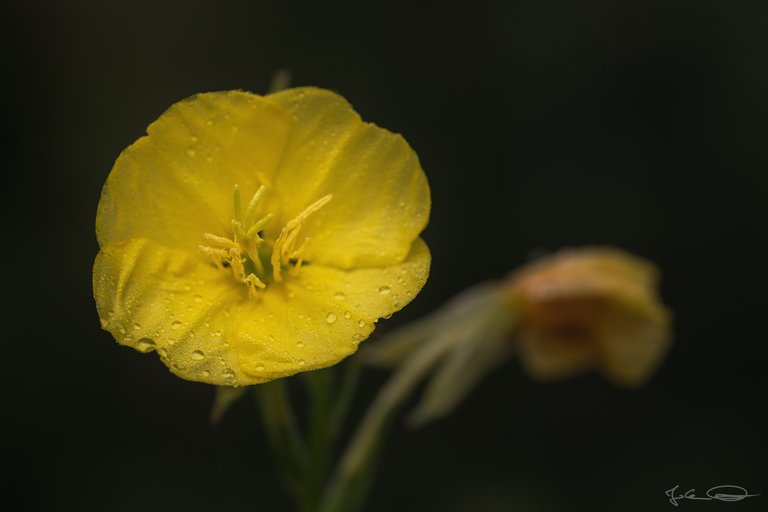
198	298
197	355
146	344
301	362
361	323
205	374
347	314
228	375
330	318
385	290
357	336
137	326
175	324
162	352
300	345
339	296
191	152
259	367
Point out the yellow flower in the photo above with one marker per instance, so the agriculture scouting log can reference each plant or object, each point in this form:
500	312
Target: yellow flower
248	238
592	307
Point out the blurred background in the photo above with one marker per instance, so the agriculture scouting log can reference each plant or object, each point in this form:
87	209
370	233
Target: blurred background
540	124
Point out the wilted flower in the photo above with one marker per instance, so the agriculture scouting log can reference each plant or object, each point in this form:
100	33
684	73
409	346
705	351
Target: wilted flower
572	311
251	237
589	308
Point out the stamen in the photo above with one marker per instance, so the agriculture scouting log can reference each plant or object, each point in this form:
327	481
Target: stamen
299	253
254	284
241	252
277	255
220	240
309	210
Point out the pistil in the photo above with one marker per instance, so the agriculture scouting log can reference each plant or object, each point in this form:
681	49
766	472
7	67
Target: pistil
245	252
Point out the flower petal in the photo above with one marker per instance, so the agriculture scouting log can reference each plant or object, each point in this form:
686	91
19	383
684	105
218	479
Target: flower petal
318	317
205	327
154	298
176	183
550	358
381	199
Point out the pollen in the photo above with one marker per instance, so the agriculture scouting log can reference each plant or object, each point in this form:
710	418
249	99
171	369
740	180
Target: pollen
253	260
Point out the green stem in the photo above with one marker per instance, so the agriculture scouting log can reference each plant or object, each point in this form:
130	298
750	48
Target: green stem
320	443
354	474
285	439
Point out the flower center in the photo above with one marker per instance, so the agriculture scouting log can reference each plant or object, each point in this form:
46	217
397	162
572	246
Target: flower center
254	260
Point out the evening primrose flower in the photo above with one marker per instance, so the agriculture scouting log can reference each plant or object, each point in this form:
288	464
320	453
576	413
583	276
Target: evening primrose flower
590	308
248	238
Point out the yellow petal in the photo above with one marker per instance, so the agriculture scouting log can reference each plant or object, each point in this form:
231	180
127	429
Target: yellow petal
206	328
380	194
154	298
176	183
317	318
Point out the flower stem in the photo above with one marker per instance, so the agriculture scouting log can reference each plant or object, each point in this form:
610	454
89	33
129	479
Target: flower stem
287	443
354	473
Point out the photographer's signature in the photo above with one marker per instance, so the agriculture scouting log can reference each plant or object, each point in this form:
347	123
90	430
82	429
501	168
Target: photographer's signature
717	493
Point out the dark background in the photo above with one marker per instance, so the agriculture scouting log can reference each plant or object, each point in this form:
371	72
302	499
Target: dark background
539	123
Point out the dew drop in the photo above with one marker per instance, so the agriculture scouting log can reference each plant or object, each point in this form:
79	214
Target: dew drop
146	344
361	323
193	139
347	315
301	362
137	326
209	122
330	318
197	355
259	367
205	374
191	152
385	290
401	279
175	324
339	296
228	375
162	352
396	305
217	333
357	336
300	344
